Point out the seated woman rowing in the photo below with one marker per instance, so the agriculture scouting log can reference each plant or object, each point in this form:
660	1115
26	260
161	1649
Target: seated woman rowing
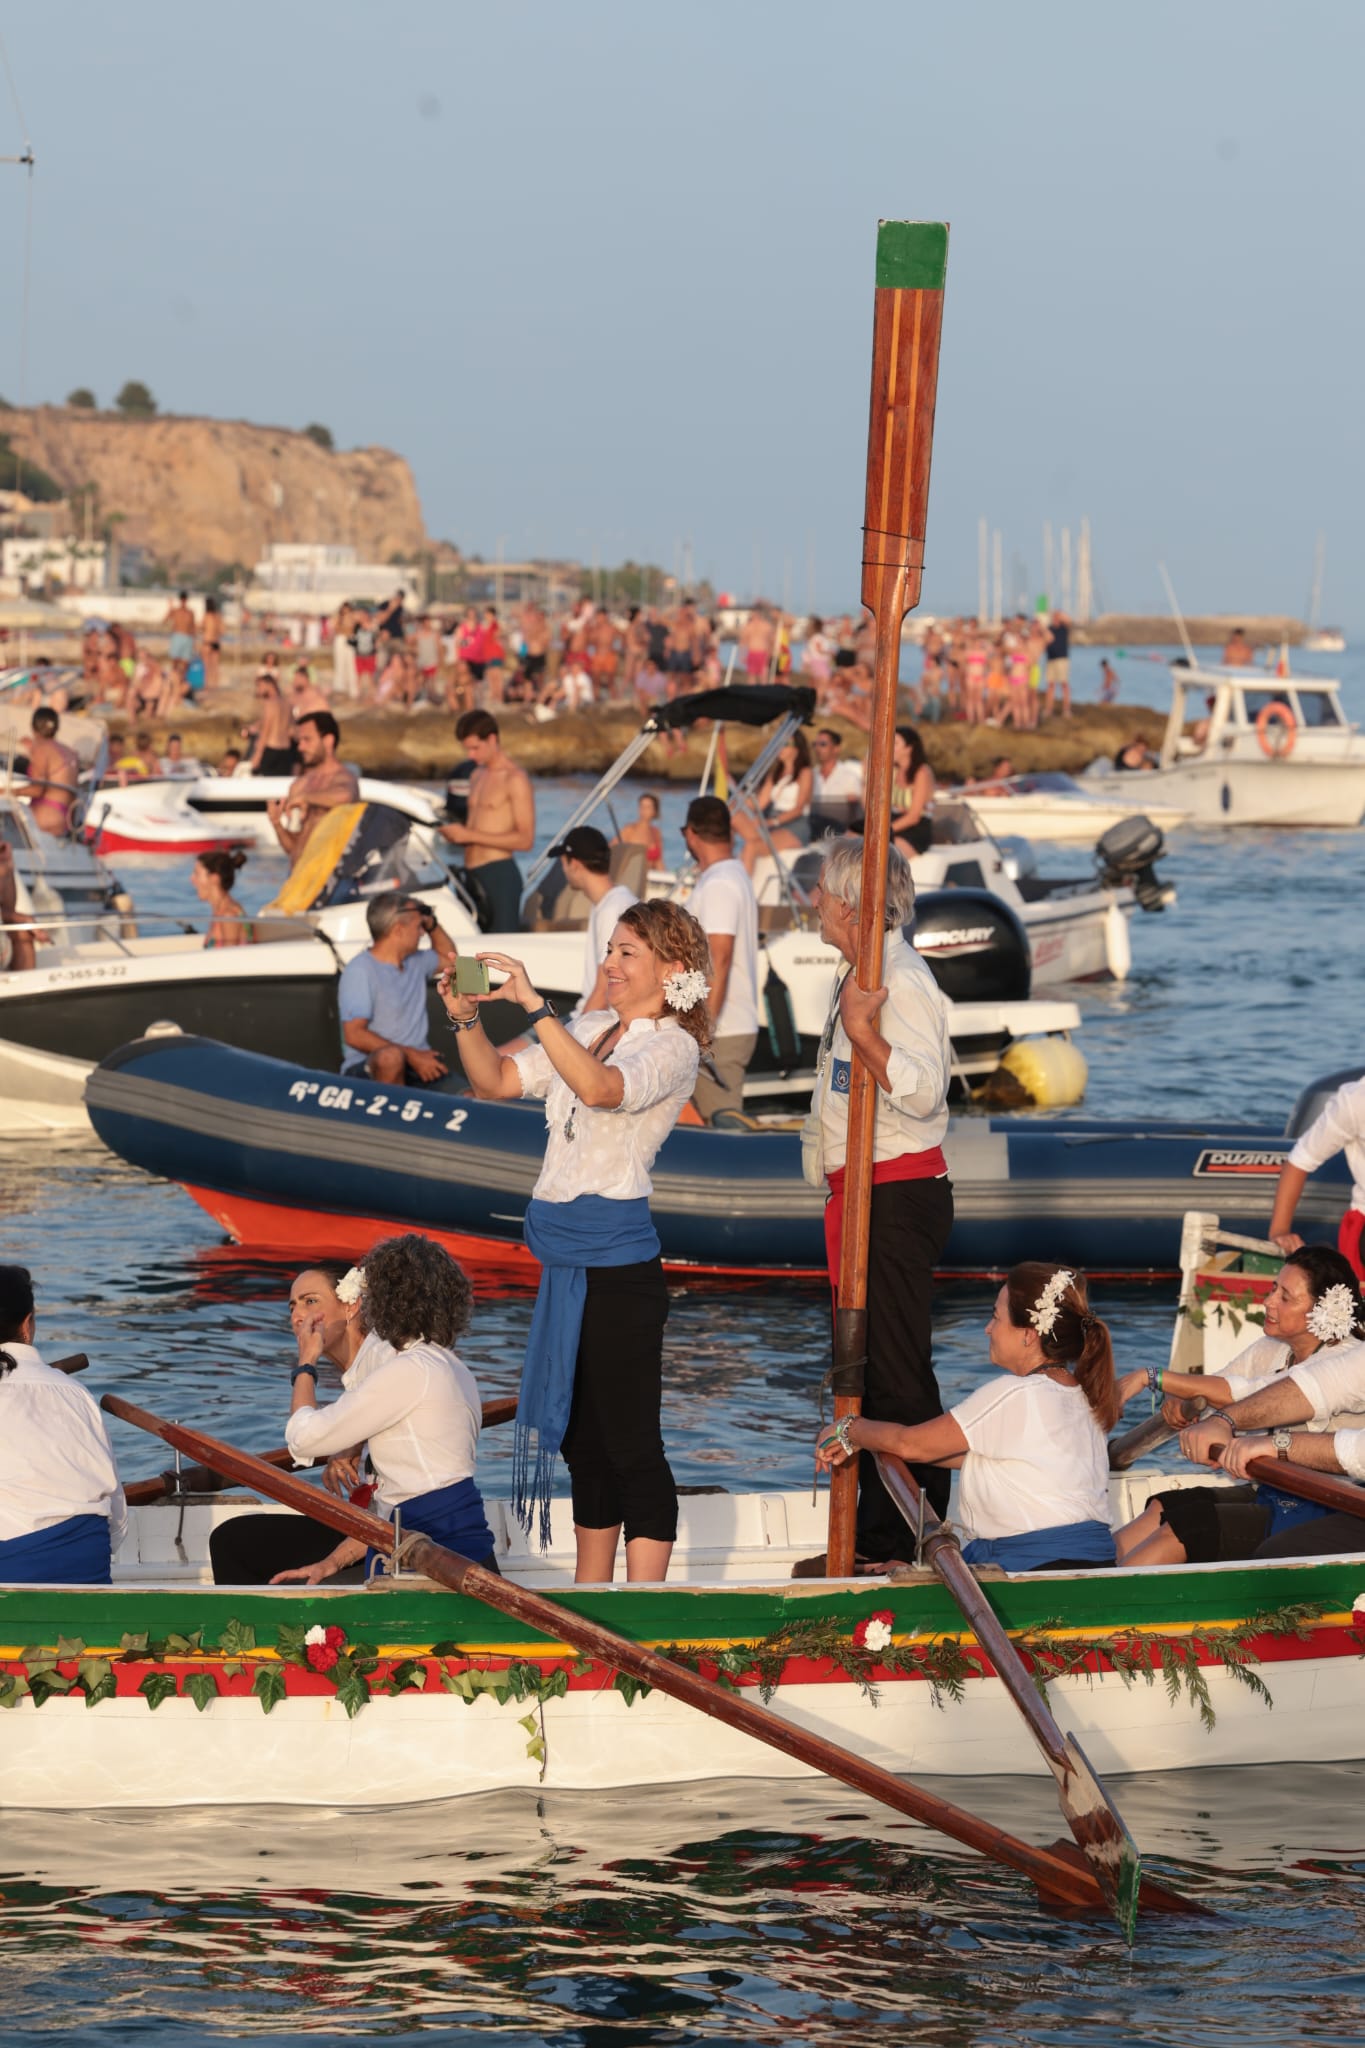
1034	1490
409	1399
62	1511
1313	1321
250	1549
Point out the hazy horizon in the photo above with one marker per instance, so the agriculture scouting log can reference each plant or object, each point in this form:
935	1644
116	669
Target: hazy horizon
604	278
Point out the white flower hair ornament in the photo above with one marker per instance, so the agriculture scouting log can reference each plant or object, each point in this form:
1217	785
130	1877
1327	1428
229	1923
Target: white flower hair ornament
685	988
1043	1315
349	1286
1333	1314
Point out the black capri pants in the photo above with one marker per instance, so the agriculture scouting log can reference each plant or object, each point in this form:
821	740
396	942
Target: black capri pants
614	1445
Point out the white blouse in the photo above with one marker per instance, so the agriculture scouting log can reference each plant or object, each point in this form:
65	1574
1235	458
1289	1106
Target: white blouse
418	1410
56	1459
611	1151
1036	1458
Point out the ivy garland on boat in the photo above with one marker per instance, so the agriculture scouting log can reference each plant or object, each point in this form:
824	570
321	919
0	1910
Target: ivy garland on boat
866	1654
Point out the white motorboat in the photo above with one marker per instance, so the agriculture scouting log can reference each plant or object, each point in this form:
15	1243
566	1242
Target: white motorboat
1049	805
278	995
212	811
1076	925
1265	750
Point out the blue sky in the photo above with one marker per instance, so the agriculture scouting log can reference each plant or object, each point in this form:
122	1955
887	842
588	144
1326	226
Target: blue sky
603	272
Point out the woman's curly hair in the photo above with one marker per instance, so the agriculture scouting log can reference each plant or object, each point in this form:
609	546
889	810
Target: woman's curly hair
412	1292
672	933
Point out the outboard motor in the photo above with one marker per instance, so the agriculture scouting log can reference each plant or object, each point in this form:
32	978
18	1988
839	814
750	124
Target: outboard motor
973	944
1128	853
1313	1100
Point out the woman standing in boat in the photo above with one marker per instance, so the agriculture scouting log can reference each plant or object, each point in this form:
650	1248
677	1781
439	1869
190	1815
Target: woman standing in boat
613	1083
1031	1446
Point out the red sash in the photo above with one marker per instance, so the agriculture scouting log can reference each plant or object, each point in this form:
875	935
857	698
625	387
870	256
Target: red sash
928	1165
1348	1241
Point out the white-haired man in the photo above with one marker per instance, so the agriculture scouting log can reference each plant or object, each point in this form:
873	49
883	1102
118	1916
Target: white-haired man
901	1033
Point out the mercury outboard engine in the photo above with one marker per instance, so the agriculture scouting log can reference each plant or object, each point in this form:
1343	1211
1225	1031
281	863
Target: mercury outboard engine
1128	853
973	944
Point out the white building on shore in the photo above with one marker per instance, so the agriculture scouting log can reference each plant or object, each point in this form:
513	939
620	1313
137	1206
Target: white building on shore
312	578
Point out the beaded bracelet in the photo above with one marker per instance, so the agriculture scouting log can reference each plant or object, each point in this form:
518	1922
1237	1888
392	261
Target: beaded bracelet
1156	1375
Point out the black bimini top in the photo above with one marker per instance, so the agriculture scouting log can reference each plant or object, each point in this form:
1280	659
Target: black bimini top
741	704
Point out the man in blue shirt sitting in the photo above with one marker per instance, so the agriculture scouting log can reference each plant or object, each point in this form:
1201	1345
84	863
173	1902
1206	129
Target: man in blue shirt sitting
383	993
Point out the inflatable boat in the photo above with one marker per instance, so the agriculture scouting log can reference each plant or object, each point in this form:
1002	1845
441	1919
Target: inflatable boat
300	1161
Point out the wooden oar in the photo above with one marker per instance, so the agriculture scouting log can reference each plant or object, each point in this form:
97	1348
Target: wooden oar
1089	1812
1322	1487
203	1479
912	260
77	1362
1062	1878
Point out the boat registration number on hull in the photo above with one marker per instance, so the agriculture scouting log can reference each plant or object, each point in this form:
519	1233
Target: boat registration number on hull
1213	1165
360	1102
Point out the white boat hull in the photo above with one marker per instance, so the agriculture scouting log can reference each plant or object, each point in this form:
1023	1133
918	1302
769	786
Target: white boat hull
1297	792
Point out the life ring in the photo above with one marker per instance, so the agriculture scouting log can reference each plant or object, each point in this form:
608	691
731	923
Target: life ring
1276	717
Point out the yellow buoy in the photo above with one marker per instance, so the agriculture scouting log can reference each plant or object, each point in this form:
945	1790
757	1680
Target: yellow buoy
1053	1070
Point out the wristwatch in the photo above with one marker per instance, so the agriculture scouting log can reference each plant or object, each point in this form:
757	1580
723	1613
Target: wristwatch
536	1016
1283	1440
300	1370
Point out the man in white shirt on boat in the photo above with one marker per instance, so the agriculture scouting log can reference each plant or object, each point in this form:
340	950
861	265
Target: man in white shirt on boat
836	799
724	905
586	859
62	1511
901	1033
1340	1127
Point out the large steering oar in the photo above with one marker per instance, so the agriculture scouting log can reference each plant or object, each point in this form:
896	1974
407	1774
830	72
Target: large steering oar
1063	1878
1089	1811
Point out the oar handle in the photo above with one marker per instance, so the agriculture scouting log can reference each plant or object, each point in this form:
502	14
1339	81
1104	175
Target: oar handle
561	1624
77	1362
1325	1490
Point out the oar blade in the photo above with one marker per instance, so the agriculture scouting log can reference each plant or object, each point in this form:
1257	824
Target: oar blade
1099	1828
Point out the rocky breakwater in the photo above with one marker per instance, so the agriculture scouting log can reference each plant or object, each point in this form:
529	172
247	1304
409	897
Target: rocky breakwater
199	493
420	746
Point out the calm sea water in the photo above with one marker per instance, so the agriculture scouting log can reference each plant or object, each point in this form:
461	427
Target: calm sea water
735	1913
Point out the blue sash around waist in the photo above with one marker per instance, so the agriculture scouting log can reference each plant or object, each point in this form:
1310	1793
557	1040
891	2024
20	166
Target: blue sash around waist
451	1515
1287	1511
567	1238
70	1553
1088	1542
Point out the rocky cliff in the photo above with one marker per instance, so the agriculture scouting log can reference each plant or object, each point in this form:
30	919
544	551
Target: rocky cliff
200	493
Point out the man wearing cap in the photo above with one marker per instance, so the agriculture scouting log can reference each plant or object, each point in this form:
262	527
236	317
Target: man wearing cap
724	905
382	995
586	858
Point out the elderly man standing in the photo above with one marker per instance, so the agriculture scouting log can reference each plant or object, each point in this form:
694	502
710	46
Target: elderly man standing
901	1033
382	994
723	903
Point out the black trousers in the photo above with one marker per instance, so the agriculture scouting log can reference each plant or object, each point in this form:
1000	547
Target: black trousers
614	1445
911	1222
250	1549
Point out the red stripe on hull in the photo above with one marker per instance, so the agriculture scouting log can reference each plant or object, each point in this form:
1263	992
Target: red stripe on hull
320	1233
123	842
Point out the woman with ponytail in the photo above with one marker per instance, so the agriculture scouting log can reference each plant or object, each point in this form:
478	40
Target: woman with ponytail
1031	1446
212	877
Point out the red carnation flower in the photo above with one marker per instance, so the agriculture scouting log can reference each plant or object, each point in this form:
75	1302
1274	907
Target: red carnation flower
335	1638
322	1656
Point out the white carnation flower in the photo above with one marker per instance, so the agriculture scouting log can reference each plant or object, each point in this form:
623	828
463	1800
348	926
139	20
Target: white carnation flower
349	1286
1333	1315
316	1634
876	1636
685	988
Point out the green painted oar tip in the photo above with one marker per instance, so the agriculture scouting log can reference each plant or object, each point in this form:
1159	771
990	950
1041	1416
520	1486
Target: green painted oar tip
912	255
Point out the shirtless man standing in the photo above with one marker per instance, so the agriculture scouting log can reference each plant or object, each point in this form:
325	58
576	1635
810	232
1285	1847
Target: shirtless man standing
502	821
756	638
324	784
179	623
53	775
273	753
304	694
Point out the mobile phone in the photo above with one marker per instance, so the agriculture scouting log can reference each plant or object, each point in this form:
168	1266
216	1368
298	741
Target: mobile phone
471	977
